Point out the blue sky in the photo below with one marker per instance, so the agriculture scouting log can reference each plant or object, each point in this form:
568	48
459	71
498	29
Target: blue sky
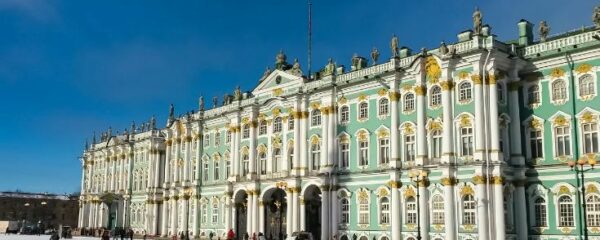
68	68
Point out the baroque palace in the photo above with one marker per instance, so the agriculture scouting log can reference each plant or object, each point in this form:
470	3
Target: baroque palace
471	140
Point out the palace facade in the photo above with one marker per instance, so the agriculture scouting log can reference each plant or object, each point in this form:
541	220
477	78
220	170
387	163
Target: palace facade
467	141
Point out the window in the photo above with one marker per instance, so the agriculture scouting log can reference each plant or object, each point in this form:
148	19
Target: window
277	125
435	96
363	153
316	118
262	130
464	92
276	160
562	141
206	139
216	170
363	211
411	210
291	122
344	154
246	164
409	102
384	150
590	137
436	144
363	110
215	213
437	208
500	88
466	137
541	217
263	163
315	155
384	211
217	139
291	157
586	86
533	94
345	207
205	171
204	213
469	206
409	148
384	108
227	168
565	211
535	143
593	210
228	137
559	90
246	131
344	114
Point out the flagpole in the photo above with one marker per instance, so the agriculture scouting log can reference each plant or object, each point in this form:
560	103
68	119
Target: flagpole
309	38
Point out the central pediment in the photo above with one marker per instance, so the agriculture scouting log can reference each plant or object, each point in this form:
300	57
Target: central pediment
277	79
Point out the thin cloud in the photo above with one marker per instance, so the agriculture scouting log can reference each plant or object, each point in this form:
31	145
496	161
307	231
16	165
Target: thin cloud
40	10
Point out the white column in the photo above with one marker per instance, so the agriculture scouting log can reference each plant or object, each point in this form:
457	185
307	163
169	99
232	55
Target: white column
177	146
269	169
154	230
295	211
254	210
448	129
249	213
333	217
396	221
332	146
168	162
252	168
261	216
421	158
515	123
482	204
424	210
499	208
325	212
185	215
228	214
196	207
520	214
493	119
479	128
449	206
174	212
324	141
234	220
297	142
302	215
394	141
113	177
164	217
303	150
186	160
289	215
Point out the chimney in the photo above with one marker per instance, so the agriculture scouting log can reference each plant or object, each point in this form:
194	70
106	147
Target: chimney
525	32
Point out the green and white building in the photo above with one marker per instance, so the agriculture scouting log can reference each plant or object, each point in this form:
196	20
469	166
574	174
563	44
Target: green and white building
485	129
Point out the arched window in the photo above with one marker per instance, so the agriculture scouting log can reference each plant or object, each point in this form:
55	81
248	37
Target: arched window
363	152
206	140
590	137
464	92
344	154
469	206
215	212
593	210
384	211
500	88
291	157
559	90
533	94
291	122
216	169
562	143
565	212
363	110
276	159
435	96
262	130
411	210
262	156
409	147
205	170
277	125
363	238
245	164
363	211
204	213
409	102
384	150
345	211
217	139
344	114
539	207
436	144
384	108
586	85
246	131
316	118
410	238
227	137
315	155
466	137
437	208
536	139
384	238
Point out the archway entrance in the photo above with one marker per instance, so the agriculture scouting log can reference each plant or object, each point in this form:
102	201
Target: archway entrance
275	214
312	202
241	211
112	210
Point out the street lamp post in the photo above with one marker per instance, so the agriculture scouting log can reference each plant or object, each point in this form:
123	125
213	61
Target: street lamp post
418	177
580	173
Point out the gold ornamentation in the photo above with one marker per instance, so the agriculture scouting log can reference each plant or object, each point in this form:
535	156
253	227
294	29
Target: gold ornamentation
362	97
382	92
277	92
447	85
435	125
476	78
383	133
245	150
261	149
583	68
432	69
465	121
463	75
363	136
406	87
314	140
344	139
498	180
566	230
557	72
420	90
409	192
281	184
560	121
245	120
363	195
564	190
276	112
276	141
491	79
478	179
394	96
383	192
588	117
448	181
466	190
591	189
536	124
394	184
342	100
315	105
408	129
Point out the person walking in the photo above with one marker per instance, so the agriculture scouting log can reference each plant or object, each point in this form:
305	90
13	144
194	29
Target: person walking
230	234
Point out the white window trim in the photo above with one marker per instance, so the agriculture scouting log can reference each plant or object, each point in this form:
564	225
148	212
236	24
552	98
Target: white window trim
430	104
580	127
389	107
340	114
408	112
553	128
551	89
504	94
358	141
527	127
364	119
594	79
380	211
525	93
358	207
457	92
533	192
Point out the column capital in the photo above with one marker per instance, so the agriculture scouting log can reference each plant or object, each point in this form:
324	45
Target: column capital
497	180
478	179
448	181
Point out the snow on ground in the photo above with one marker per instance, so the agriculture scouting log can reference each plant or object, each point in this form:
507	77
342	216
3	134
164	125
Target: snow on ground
34	237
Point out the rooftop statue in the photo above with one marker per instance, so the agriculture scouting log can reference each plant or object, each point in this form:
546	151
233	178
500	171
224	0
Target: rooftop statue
394	46
544	30
296	70
329	68
477	21
443	49
237	93
132	127
374	55
358	62
201	103
153	122
171	111
280	61
215	101
596	16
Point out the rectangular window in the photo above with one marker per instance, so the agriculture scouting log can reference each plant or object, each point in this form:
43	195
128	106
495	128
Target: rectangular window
590	138
246	164
291	123
363	213
562	141
315	156
205	172
215	213
535	143
466	135
227	168
207	140
409	148
263	163
291	158
436	150
345	211
363	153
384	151
411	212
344	154
217	139
216	170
